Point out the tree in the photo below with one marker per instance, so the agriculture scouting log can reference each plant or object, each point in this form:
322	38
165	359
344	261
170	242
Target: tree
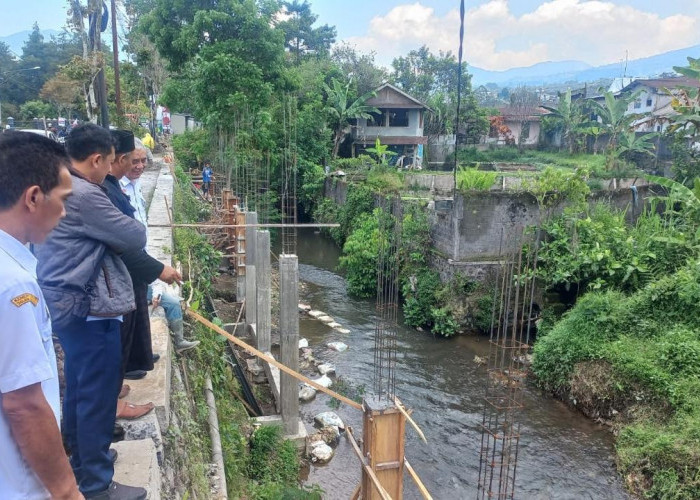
61	91
340	110
433	79
366	76
612	115
569	118
301	38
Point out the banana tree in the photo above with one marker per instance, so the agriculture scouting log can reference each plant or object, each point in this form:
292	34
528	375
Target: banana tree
615	121
568	116
341	110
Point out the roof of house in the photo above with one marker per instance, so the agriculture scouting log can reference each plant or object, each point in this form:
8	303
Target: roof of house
389	96
532	112
662	83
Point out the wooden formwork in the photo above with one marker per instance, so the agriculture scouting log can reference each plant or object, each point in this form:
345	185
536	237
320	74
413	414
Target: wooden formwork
383	431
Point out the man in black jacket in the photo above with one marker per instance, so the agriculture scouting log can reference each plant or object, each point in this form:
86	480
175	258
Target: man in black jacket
137	351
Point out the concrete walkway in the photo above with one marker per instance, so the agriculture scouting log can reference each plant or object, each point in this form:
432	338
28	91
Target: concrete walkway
141	452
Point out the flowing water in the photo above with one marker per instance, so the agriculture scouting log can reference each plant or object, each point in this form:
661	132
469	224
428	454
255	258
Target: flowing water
562	454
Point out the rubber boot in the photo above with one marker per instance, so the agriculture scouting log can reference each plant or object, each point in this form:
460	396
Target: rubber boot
179	337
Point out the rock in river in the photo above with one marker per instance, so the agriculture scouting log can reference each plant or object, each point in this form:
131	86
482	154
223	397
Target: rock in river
337	346
303	343
307	393
325	368
324	381
321	453
328	418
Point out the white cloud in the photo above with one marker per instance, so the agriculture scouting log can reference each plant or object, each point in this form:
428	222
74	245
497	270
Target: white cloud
594	31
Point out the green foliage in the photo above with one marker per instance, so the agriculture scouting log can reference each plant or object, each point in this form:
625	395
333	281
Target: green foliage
360	254
385	179
341	108
554	186
313	179
272	459
651	340
192	148
380	152
686	161
473	179
444	323
596	249
359	201
419	292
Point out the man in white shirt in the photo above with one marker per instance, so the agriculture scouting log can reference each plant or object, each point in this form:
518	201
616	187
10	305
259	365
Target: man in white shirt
34	183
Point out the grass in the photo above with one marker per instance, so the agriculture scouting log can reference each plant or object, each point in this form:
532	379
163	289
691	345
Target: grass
650	340
596	164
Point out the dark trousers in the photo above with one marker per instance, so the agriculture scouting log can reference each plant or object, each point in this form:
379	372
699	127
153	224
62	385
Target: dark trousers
92	370
139	353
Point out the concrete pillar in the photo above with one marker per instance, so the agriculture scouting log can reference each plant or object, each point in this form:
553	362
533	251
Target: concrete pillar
289	341
264	306
251	298
250	257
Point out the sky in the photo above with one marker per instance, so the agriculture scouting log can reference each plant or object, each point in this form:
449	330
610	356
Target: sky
499	34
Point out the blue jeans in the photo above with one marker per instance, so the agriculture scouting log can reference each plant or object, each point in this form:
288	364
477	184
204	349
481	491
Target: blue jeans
93	380
170	304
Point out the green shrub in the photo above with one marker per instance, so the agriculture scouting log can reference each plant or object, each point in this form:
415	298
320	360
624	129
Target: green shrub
444	323
192	148
273	459
472	179
419	292
360	254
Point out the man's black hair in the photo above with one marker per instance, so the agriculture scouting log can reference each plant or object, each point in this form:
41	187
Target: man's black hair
27	160
88	139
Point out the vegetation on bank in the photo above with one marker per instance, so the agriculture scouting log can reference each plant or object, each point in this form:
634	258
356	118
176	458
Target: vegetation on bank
259	463
628	350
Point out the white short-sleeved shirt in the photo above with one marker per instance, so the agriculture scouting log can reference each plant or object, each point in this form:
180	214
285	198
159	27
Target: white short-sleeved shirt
133	190
26	357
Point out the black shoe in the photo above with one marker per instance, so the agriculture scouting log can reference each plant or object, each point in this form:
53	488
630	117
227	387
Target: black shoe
156	357
113	455
118	433
135	374
117	491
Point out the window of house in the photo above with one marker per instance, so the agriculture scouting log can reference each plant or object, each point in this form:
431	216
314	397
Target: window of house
637	104
398	118
525	131
649	102
376	119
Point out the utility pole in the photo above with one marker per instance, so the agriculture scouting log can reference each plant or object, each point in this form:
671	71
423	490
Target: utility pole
96	46
115	52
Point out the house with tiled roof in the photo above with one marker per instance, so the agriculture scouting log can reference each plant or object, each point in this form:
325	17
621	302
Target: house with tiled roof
654	99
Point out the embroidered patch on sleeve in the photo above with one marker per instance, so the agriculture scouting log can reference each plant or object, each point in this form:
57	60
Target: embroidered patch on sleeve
20	300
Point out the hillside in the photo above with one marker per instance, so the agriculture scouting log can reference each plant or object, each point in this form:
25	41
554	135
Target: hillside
576	71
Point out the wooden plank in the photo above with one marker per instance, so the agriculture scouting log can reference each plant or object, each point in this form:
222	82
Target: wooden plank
370	473
356	492
403	410
271	360
421	487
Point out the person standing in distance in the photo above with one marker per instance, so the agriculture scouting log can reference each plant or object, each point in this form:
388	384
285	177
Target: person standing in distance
33	463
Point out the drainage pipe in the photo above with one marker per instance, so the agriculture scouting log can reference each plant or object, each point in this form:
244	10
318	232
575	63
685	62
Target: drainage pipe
217	454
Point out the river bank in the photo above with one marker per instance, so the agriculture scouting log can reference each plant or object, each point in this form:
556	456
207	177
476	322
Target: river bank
563	454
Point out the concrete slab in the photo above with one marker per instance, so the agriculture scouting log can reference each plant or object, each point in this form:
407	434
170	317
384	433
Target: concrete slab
146	427
299	438
155	386
137	465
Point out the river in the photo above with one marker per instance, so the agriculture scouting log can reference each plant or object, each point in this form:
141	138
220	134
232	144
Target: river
562	454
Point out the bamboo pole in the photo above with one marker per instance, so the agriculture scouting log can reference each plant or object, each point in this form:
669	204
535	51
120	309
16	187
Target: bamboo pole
365	465
234	226
421	487
271	360
402	409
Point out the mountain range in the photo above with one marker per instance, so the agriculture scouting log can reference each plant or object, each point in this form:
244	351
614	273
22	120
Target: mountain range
546	73
16	40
